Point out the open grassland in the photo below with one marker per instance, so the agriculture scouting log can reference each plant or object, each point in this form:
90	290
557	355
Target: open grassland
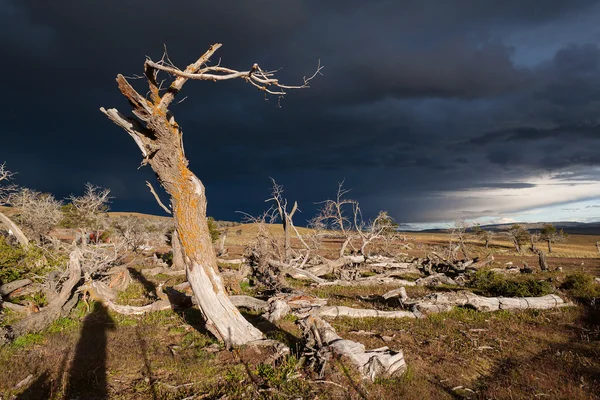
463	354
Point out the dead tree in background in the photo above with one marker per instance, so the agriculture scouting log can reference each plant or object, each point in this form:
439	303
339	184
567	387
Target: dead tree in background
458	232
159	138
517	236
483	234
37	212
281	205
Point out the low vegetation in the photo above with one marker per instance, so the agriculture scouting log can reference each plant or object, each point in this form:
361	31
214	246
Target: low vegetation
489	283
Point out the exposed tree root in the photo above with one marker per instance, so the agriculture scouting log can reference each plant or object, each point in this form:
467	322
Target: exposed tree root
42	319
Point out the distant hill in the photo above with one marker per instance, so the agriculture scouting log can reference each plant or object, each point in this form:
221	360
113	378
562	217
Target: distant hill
578	228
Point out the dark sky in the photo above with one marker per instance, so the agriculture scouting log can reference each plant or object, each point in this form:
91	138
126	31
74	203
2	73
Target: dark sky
433	110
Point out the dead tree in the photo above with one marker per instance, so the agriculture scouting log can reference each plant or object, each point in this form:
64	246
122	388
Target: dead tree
159	138
90	209
517	236
482	234
281	205
458	232
345	216
332	215
38	212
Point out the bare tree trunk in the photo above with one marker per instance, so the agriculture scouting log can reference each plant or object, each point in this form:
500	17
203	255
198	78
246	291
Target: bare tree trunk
16	231
222	249
161	144
463	248
549	246
542	260
517	246
288	240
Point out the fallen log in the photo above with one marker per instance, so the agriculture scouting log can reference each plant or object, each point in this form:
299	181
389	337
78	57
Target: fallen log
441	302
342	311
370	363
14	307
10	287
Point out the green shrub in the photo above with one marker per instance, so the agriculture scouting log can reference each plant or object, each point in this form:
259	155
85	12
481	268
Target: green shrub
213	229
17	262
492	284
581	286
70	217
10	257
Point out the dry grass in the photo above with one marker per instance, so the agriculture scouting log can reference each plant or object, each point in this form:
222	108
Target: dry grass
458	355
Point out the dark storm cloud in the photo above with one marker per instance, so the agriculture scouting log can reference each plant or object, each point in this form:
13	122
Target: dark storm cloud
416	97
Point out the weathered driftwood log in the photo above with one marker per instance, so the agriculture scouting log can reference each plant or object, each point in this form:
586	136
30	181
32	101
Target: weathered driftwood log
370	363
42	319
133	310
14	229
342	311
10	287
441	302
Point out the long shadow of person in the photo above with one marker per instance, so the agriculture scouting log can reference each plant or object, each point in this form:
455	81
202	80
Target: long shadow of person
87	375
